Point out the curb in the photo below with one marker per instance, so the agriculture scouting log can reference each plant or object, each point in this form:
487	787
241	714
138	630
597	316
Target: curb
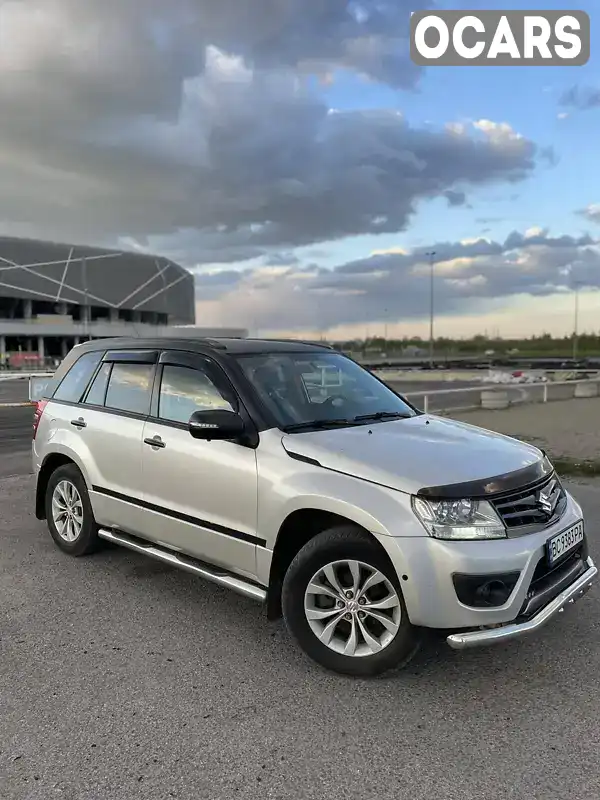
29	403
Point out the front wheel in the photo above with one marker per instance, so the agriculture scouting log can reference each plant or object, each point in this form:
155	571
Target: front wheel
343	604
69	512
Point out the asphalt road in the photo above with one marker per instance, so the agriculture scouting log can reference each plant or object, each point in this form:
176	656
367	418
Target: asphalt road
15	441
122	678
14	391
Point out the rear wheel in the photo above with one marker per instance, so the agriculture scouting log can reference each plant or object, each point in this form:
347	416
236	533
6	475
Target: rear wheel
69	512
343	604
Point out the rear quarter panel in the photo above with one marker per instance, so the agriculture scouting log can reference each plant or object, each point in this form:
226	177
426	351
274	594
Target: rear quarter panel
108	454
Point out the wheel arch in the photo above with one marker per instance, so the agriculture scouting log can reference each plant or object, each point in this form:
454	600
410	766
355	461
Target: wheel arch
297	529
49	465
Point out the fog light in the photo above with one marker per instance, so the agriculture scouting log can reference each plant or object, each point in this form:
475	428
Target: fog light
493	593
484	591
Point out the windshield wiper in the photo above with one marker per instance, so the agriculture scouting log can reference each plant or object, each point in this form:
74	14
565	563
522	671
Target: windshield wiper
383	415
317	424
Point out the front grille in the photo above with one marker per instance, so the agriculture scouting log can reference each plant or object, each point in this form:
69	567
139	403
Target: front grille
538	505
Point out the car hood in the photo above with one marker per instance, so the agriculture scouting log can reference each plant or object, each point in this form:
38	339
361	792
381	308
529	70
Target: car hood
415	453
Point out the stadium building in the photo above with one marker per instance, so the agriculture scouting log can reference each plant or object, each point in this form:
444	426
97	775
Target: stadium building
53	296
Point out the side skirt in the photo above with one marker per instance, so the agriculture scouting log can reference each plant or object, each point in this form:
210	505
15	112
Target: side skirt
187	563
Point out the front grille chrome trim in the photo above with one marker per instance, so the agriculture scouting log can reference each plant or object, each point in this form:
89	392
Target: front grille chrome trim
522	511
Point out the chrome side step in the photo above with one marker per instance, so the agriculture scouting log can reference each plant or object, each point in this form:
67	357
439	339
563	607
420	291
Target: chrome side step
186	563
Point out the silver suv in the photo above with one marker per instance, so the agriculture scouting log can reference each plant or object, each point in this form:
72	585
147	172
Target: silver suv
287	472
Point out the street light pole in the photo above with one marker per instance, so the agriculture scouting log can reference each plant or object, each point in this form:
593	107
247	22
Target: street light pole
576	323
85	298
431	255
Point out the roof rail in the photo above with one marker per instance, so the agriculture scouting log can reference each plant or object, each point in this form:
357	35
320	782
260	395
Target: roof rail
314	343
297	341
213	343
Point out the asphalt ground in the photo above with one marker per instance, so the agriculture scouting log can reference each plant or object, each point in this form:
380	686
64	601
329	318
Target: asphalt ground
14	391
15	441
123	678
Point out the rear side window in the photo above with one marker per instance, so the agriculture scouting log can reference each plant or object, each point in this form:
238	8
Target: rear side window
77	378
130	387
97	391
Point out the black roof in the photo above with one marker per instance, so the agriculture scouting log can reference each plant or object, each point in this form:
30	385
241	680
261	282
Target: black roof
233	346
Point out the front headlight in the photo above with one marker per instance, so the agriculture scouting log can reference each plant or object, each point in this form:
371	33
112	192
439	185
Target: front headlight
459	519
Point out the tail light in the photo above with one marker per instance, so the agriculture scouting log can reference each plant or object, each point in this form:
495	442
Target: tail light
37	414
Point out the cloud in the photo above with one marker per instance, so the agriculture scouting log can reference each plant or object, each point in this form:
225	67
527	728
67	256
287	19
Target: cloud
194	129
455	198
470	277
279	259
81	45
591	213
580	98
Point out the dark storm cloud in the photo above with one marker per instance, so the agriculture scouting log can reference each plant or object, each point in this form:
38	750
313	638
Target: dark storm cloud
189	127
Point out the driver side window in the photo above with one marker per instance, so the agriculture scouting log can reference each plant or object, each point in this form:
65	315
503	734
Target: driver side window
184	390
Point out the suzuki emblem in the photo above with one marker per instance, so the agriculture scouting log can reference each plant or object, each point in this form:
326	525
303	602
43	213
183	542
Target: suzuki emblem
545	501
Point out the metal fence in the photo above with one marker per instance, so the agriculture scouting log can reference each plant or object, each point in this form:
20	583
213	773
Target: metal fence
468	398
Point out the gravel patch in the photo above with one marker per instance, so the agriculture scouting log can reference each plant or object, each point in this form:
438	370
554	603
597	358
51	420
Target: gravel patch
567	430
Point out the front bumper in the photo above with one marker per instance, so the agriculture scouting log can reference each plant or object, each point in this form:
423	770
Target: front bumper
570	595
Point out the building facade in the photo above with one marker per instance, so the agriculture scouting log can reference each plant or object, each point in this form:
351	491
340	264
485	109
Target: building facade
53	296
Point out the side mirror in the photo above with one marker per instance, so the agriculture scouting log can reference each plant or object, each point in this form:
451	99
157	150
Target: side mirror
218	424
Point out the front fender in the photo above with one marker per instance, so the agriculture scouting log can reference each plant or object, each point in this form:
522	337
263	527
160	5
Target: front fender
297	485
385	513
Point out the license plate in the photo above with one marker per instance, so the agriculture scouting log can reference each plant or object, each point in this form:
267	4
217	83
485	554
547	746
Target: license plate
562	543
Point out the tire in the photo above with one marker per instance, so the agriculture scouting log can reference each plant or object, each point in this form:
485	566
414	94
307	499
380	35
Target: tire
60	485
391	646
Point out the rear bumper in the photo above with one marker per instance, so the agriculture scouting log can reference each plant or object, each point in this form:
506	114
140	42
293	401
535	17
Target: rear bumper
570	595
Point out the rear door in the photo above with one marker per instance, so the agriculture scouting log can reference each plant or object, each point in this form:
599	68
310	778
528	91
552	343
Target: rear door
201	496
56	432
112	417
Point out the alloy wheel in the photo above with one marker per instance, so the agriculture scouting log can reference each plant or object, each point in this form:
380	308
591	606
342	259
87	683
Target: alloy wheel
67	510
352	608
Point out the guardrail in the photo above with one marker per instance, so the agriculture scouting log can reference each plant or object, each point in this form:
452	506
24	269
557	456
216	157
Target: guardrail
499	396
21	375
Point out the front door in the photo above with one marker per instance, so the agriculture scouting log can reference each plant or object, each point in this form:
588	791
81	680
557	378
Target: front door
200	497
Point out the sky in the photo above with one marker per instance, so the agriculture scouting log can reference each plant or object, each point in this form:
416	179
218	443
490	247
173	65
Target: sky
292	156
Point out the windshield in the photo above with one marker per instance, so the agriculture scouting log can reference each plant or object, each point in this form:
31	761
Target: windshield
305	388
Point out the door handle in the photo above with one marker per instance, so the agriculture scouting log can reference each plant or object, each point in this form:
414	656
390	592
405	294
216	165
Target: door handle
155	442
79	423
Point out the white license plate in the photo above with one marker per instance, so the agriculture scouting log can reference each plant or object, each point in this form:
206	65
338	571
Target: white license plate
562	543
